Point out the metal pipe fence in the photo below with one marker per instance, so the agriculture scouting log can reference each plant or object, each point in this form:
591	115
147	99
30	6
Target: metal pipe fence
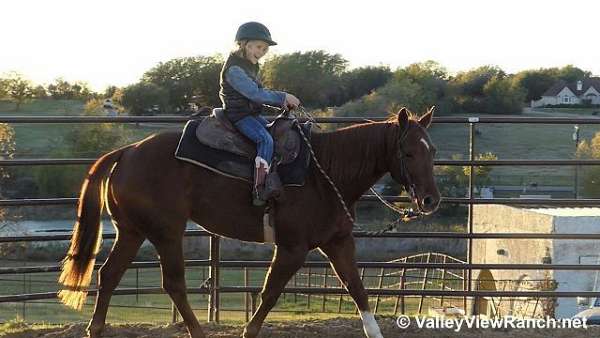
213	289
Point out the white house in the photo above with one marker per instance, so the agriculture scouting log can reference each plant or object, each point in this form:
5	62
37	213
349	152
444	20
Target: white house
579	92
507	219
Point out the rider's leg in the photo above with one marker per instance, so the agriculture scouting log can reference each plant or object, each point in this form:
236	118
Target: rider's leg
254	129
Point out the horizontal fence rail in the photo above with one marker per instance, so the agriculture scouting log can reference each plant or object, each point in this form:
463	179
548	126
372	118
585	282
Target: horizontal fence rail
214	263
178	119
320	291
319	264
357	234
589	202
77	161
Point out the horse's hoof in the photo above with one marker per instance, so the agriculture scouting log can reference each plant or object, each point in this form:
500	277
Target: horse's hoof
249	333
196	333
94	331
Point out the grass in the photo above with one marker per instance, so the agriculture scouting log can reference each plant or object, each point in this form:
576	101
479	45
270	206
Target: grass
515	141
578	111
39	107
232	305
18	325
507	141
39	139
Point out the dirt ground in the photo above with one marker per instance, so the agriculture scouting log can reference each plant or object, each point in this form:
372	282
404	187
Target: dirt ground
333	328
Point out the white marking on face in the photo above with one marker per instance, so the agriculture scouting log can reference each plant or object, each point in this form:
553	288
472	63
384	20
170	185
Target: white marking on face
425	143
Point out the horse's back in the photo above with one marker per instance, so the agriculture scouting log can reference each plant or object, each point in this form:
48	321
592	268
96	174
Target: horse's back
149	169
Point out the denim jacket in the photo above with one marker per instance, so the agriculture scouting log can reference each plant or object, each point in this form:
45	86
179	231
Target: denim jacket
241	82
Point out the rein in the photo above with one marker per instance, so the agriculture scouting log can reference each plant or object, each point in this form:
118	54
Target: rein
404	215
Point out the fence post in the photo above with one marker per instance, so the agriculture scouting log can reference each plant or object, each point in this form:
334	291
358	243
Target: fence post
309	285
23	305
137	285
253	300
380	285
362	279
174	313
213	274
246	300
424	285
325	286
400	287
296	285
443	280
471	181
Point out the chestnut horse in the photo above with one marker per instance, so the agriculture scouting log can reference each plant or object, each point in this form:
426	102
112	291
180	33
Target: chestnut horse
151	195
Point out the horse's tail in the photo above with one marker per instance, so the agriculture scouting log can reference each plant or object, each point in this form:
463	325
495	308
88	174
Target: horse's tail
78	265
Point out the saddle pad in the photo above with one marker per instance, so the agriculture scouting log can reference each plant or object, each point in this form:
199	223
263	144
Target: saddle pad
233	165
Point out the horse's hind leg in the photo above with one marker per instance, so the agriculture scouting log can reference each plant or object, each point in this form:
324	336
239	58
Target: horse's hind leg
123	252
286	261
170	251
341	254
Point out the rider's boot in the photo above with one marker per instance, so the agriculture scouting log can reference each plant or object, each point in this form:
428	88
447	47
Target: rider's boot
261	169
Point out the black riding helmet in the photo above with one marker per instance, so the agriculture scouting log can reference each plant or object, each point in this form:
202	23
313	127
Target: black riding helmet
254	31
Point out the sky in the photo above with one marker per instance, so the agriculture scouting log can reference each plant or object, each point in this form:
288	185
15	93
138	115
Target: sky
114	42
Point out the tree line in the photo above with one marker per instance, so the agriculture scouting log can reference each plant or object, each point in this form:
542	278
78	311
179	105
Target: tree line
321	80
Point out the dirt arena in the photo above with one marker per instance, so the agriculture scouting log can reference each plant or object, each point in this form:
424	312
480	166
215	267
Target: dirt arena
333	328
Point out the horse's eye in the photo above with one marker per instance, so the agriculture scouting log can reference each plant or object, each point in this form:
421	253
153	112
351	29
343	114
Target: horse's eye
409	156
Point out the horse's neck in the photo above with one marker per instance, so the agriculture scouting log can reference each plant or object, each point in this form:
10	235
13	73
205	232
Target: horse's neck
354	158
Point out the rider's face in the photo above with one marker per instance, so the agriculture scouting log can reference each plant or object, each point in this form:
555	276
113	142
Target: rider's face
256	49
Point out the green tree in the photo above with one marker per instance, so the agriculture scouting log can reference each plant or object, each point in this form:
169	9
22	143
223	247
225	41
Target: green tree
417	86
570	73
110	91
139	98
432	78
39	92
60	89
64	90
396	93
503	96
313	76
362	81
487	90
188	80
590	149
3	89
454	180
473	81
84	141
536	82
7	227
18	89
7	148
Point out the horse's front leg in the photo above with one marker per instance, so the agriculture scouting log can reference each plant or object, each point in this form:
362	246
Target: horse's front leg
286	261
341	254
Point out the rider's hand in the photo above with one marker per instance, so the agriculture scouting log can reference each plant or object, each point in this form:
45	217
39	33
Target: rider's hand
291	102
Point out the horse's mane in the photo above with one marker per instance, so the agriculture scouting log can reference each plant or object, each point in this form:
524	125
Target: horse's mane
366	143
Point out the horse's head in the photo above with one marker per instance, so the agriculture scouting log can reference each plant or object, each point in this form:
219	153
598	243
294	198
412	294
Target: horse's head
411	159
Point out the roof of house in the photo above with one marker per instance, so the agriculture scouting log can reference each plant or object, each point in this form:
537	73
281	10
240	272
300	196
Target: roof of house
586	84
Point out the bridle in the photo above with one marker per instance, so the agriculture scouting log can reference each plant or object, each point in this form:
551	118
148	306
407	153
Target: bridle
409	186
404	214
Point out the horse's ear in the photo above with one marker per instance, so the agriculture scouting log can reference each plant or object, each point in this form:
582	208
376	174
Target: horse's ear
403	118
425	120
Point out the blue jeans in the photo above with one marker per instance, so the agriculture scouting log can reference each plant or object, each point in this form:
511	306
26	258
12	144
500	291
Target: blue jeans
254	127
